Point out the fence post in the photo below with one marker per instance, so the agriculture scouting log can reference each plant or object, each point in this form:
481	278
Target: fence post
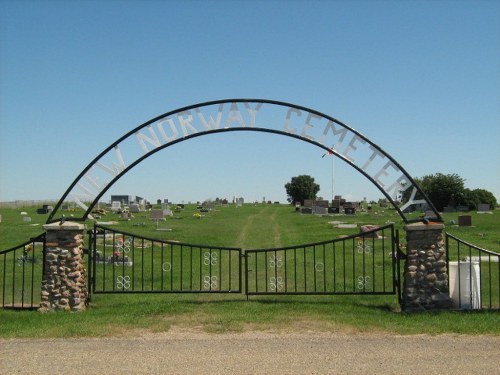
425	271
64	284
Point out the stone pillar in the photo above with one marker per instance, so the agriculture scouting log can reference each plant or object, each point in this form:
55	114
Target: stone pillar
64	284
425	284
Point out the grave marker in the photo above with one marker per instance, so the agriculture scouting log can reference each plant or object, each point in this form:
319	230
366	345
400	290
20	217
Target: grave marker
116	206
464	221
483	207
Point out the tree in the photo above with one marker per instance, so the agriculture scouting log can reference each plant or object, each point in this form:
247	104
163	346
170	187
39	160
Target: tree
444	190
448	190
301	188
477	196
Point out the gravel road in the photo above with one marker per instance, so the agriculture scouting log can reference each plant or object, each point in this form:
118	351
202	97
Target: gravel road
191	352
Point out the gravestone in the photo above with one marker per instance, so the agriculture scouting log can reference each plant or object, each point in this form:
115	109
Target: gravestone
319	210
134	208
321	203
157	215
116	206
349	210
369	228
464	221
308	203
46	209
239	202
483	207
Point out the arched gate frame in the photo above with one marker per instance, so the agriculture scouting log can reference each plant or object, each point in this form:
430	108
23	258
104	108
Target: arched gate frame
242	115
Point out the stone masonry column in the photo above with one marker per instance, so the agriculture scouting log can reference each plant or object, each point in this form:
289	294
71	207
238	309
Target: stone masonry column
425	284
64	285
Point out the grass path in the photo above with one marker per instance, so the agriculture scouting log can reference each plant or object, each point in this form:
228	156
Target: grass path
260	227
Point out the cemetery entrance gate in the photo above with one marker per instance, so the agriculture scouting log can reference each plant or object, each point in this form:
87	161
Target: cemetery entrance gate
365	263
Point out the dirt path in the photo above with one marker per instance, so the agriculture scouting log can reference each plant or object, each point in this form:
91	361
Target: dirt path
191	352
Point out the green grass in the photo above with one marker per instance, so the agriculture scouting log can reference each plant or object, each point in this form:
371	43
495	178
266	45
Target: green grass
128	314
248	227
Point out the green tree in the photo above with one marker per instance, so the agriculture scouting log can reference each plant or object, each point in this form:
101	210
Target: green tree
301	188
448	190
442	190
477	196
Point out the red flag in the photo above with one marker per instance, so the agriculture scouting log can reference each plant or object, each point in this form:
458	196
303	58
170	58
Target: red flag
329	152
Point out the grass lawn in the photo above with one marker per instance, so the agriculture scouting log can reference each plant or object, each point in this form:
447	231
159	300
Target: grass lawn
248	227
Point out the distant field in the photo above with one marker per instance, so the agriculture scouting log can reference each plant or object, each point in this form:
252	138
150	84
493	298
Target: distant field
252	226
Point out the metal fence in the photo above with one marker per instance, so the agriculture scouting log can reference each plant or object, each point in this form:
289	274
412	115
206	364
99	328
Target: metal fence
21	271
122	262
26	203
474	275
365	263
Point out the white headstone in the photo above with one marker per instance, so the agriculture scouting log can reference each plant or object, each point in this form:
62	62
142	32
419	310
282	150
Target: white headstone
483	207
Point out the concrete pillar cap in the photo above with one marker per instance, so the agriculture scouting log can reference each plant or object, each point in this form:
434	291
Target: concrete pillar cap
67	225
422	226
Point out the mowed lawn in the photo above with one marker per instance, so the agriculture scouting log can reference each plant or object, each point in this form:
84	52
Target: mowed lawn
247	227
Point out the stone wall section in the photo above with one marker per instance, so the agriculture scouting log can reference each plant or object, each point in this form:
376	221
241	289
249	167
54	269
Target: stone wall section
64	284
425	285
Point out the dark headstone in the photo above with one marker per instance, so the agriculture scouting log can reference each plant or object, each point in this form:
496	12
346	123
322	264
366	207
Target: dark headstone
349	210
464	221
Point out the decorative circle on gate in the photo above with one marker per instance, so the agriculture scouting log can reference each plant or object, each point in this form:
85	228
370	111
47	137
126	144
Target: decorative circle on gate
123	282
320	267
231	115
122	245
276	284
275	261
210	282
364	247
166	267
363	282
209	259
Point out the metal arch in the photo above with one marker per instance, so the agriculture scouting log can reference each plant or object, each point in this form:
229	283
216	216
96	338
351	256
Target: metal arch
416	188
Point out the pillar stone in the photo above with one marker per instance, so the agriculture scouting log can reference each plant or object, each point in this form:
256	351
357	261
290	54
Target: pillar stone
64	284
425	285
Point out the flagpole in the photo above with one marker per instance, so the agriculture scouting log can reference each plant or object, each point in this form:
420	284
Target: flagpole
333	167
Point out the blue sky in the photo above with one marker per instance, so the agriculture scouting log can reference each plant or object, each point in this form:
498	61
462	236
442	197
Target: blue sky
420	79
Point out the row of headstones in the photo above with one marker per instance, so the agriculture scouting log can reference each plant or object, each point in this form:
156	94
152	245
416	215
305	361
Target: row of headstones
322	207
482	207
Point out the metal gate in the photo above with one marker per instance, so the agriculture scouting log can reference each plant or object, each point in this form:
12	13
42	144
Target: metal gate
474	275
21	271
365	263
122	262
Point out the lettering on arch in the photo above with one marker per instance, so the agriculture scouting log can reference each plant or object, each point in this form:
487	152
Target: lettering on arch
236	115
